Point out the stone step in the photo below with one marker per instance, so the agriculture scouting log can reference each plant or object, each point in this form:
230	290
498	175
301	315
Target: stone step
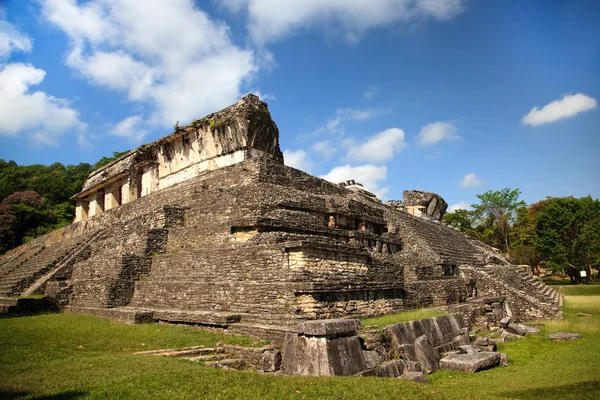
214	318
208	357
183	352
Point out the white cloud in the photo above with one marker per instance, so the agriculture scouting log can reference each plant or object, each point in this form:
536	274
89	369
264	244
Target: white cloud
22	110
567	107
436	132
370	176
459	206
12	40
371	91
379	148
324	149
131	128
270	20
470	180
168	54
335	124
298	159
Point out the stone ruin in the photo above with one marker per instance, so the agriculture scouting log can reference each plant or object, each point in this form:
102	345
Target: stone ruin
207	226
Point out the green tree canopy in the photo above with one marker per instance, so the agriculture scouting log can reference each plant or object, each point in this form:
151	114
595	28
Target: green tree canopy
568	232
496	214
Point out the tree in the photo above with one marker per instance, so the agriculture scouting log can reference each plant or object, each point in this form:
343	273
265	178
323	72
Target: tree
105	160
20	214
497	213
568	232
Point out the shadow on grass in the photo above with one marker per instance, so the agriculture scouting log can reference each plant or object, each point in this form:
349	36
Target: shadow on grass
583	390
8	395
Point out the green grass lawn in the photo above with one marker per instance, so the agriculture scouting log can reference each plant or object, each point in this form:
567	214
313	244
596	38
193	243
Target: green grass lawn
65	356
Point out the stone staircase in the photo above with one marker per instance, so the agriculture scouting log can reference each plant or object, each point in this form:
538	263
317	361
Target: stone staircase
529	297
265	359
27	273
447	243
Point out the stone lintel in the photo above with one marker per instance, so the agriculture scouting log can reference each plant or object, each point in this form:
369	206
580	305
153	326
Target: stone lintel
330	327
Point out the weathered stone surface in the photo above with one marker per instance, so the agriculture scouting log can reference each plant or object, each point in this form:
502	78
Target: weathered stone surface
305	355
507	336
330	327
503	360
372	358
504	322
415	376
481	341
426	355
435	206
388	369
471	362
412	366
564	336
516	329
468	349
529	330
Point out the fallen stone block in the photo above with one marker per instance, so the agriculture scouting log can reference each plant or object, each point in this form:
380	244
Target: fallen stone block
516	329
324	348
415	376
472	362
407	352
372	358
564	336
504	322
412	366
426	354
507	336
481	341
388	369
489	347
330	327
468	349
581	314
503	360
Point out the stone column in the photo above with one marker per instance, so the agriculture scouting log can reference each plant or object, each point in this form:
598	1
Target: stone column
81	210
324	347
112	197
96	200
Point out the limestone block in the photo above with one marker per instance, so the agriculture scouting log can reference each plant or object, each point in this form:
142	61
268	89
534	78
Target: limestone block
504	322
507	336
516	329
321	356
426	354
372	358
471	362
564	336
415	376
468	349
388	369
330	327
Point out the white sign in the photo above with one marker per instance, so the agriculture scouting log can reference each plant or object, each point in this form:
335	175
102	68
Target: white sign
583	274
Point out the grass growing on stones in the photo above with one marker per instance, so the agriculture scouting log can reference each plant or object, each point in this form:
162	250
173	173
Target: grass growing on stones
74	356
386	320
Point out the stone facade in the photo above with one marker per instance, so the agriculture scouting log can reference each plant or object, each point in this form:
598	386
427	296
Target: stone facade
241	241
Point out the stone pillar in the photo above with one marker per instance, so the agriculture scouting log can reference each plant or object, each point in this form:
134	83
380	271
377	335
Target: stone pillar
96	204
81	210
112	198
324	348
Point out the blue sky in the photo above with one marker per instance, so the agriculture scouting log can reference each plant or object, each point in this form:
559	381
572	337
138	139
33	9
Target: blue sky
451	96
